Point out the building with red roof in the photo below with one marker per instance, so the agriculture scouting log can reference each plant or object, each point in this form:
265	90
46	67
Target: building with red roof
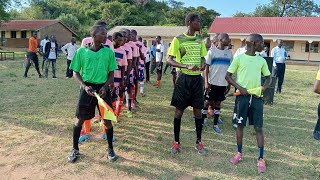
301	35
15	33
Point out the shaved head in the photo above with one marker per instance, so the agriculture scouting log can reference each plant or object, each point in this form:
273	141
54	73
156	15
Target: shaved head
222	36
254	38
97	28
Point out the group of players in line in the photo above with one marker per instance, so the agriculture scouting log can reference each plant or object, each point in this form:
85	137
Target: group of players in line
204	79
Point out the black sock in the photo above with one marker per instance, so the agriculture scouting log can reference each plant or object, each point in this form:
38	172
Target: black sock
110	137
176	129
216	115
27	69
76	136
199	124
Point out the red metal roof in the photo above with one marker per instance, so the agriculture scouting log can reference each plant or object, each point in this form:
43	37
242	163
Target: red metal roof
267	25
19	25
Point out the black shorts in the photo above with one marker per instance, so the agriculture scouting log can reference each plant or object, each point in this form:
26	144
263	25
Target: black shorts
87	104
34	57
188	91
217	93
248	107
159	66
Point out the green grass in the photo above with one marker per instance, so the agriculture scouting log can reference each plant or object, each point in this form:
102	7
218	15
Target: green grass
36	117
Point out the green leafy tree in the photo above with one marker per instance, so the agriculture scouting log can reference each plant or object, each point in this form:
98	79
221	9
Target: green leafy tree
281	8
70	20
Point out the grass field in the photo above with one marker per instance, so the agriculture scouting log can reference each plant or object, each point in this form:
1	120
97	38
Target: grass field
36	117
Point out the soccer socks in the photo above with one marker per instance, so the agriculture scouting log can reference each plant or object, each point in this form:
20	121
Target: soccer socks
110	137
76	136
260	150
216	115
87	126
239	146
141	87
205	112
119	106
176	129
114	105
129	101
199	125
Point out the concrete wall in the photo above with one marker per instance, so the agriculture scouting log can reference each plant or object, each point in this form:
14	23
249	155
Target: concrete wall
62	34
296	54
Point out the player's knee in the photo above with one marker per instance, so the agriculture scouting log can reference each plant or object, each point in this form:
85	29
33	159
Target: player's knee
259	130
78	122
107	123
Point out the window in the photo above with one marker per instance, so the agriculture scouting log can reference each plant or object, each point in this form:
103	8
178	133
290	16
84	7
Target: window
313	47
3	34
13	34
23	34
288	46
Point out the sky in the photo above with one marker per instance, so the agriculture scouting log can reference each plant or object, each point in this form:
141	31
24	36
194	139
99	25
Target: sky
226	7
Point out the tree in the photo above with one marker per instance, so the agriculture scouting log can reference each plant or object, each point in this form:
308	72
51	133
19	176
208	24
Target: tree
70	20
281	8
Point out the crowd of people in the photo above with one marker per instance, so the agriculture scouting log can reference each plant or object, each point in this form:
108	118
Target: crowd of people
202	76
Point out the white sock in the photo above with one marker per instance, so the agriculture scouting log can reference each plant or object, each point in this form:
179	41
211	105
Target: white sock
141	87
127	98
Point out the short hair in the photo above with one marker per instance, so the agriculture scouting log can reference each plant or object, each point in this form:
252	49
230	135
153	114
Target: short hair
116	35
140	38
101	23
96	28
134	32
158	37
191	17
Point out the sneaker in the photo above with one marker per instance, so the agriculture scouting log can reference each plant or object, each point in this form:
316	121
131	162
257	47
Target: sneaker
216	129
104	136
54	77
112	155
40	76
73	156
142	94
220	121
261	164
84	137
236	158
175	148
316	135
129	114
200	148
206	122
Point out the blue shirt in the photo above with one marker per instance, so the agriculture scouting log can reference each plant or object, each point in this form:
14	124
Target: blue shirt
153	51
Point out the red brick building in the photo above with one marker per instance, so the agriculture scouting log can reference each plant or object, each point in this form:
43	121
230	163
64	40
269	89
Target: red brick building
15	33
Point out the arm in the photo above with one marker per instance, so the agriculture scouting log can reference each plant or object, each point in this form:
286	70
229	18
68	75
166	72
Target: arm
236	85
316	87
64	49
268	82
206	81
173	63
272	55
88	89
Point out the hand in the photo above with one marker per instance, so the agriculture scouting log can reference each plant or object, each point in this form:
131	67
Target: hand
202	67
103	92
111	86
243	91
228	89
207	87
193	68
89	90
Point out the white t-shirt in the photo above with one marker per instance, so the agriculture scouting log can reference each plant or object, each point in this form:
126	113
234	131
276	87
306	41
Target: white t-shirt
263	54
219	62
43	44
158	54
243	50
52	53
71	49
